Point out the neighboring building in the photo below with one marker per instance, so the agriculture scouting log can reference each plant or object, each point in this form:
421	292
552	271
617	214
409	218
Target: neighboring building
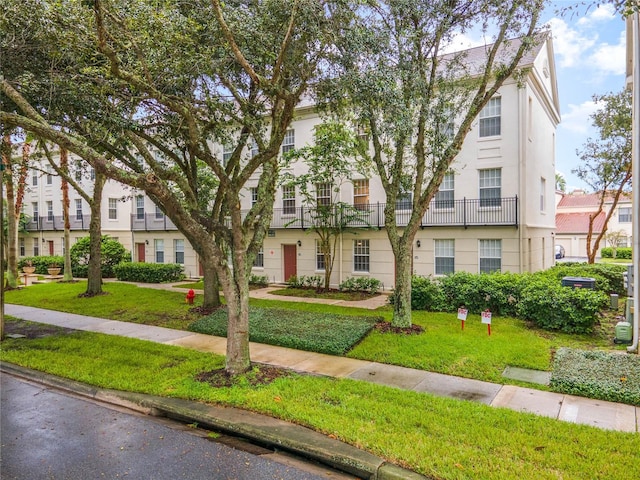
572	221
494	211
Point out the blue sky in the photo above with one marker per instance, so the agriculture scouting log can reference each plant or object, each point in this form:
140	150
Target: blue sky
590	59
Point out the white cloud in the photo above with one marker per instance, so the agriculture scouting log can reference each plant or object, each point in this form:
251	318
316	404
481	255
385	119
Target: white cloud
569	44
577	118
610	59
603	13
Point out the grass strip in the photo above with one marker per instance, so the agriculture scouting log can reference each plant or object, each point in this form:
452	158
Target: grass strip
438	437
311	331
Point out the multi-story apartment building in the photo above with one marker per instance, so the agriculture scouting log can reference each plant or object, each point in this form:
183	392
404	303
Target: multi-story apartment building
572	221
495	209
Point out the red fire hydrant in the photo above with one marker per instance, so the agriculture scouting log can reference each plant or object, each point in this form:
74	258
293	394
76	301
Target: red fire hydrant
190	296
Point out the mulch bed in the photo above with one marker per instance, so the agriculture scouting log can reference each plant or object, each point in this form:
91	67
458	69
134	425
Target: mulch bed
259	375
386	327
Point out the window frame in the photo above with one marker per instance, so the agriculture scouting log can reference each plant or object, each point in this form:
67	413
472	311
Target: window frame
361	255
488	185
444	256
158	250
288	141
320	258
79	214
258	262
361	192
485	247
178	250
627	216
490	119
288	199
139	207
113	208
444	199
49	205
323	194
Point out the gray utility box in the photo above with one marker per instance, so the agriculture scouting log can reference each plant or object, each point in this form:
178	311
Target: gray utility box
579	282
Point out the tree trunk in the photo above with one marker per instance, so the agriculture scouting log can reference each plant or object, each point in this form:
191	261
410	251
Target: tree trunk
211	294
402	292
12	234
237	296
64	166
94	274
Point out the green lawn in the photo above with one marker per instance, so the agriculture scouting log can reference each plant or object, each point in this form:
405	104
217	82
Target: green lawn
439	437
443	348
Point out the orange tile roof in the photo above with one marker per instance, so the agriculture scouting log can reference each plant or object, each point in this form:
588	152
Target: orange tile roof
577	223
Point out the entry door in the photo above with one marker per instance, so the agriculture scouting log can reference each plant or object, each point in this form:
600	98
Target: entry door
141	252
50	242
290	261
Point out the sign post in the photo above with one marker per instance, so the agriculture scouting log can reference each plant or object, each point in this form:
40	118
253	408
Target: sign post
486	318
462	315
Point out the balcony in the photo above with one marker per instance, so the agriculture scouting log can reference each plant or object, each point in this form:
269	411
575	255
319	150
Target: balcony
56	223
456	213
150	222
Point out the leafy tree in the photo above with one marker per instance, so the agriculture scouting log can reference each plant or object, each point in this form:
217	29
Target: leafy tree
331	163
161	87
417	102
606	160
112	253
561	182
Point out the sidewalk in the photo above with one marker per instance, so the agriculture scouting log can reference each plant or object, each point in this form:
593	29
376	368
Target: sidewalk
597	413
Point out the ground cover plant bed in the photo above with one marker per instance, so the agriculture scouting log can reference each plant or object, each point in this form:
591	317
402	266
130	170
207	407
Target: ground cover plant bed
311	331
438	437
327	294
606	376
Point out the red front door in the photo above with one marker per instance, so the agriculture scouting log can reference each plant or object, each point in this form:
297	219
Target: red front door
50	247
141	252
290	254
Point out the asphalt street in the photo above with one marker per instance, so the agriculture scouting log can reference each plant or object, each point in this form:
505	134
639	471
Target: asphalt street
50	435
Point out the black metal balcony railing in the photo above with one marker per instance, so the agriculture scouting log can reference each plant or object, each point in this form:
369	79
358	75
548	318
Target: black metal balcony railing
453	213
151	222
56	223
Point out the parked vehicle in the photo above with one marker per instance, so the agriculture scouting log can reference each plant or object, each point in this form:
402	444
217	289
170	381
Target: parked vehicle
559	251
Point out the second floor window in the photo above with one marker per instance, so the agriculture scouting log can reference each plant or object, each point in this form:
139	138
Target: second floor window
289	200
34	178
490	118
289	141
404	201
36	211
49	177
490	182
113	209
50	211
361	194
445	196
323	194
227	151
78	209
624	215
140	207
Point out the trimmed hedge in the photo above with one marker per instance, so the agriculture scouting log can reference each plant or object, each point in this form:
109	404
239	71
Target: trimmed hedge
149	272
624	253
361	284
595	374
42	263
538	297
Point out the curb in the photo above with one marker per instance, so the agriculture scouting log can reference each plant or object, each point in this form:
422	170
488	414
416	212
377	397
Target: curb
260	429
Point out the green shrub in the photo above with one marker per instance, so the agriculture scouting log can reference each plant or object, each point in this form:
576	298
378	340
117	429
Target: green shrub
259	280
498	292
621	252
149	272
112	253
554	307
42	263
361	284
609	277
606	376
426	294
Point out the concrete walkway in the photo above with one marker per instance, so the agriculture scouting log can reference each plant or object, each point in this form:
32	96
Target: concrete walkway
597	413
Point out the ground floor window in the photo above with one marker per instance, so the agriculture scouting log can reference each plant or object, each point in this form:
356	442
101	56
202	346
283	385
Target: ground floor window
159	250
259	261
23	250
490	255
178	246
320	263
444	256
36	247
361	255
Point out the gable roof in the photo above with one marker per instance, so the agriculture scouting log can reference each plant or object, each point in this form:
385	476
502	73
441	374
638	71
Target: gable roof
577	223
588	200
